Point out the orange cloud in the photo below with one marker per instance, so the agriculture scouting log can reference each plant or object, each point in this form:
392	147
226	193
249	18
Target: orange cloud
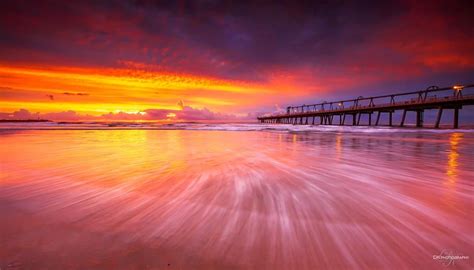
98	91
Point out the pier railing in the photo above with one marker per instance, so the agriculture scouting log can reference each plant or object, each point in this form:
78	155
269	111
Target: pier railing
433	97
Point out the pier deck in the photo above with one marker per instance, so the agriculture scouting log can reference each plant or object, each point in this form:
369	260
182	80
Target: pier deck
454	98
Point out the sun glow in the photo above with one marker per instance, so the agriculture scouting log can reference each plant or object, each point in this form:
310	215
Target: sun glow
98	91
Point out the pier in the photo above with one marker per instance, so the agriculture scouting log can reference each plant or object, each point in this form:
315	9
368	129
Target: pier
350	111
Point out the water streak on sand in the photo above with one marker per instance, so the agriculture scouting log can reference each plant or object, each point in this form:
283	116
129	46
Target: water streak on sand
264	200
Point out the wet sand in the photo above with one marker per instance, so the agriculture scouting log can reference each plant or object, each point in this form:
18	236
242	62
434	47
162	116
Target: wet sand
180	199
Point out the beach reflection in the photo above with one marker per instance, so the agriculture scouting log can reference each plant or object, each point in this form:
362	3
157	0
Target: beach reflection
453	155
136	199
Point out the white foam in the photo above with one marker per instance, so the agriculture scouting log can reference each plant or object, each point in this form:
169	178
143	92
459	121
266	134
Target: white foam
219	127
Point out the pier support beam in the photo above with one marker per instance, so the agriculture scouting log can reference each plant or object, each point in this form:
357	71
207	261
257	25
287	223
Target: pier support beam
419	118
438	118
378	119
403	118
456	118
390	118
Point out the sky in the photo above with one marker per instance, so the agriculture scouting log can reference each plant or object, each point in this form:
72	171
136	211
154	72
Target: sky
197	60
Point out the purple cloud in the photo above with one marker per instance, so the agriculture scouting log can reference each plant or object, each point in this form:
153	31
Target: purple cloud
188	113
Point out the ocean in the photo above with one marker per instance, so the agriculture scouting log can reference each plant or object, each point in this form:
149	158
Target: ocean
234	196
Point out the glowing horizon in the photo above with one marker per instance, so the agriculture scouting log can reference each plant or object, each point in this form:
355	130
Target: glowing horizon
93	60
98	91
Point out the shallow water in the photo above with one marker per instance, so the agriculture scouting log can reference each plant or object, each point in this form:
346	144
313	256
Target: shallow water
187	199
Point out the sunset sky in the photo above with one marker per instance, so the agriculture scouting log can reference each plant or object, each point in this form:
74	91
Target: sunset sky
195	60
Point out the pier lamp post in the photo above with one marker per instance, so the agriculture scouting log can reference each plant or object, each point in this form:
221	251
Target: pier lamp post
458	90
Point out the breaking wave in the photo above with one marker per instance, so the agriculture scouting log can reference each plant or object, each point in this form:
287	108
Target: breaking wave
218	127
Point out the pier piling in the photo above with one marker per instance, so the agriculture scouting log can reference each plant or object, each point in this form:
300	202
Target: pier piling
456	118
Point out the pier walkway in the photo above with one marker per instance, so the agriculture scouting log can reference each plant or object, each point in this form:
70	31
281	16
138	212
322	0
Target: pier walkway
336	112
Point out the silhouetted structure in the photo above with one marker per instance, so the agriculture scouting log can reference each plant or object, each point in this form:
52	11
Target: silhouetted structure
23	120
451	98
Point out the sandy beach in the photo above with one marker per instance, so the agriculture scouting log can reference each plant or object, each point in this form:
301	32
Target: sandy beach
196	199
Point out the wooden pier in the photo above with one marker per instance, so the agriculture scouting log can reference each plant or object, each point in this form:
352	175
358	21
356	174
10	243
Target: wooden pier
337	112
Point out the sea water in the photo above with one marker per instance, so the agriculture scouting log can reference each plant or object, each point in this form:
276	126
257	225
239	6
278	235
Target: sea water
234	196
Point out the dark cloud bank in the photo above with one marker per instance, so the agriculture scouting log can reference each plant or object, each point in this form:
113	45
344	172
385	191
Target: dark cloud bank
235	39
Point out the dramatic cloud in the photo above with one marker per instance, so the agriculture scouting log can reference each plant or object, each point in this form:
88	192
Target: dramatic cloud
227	56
